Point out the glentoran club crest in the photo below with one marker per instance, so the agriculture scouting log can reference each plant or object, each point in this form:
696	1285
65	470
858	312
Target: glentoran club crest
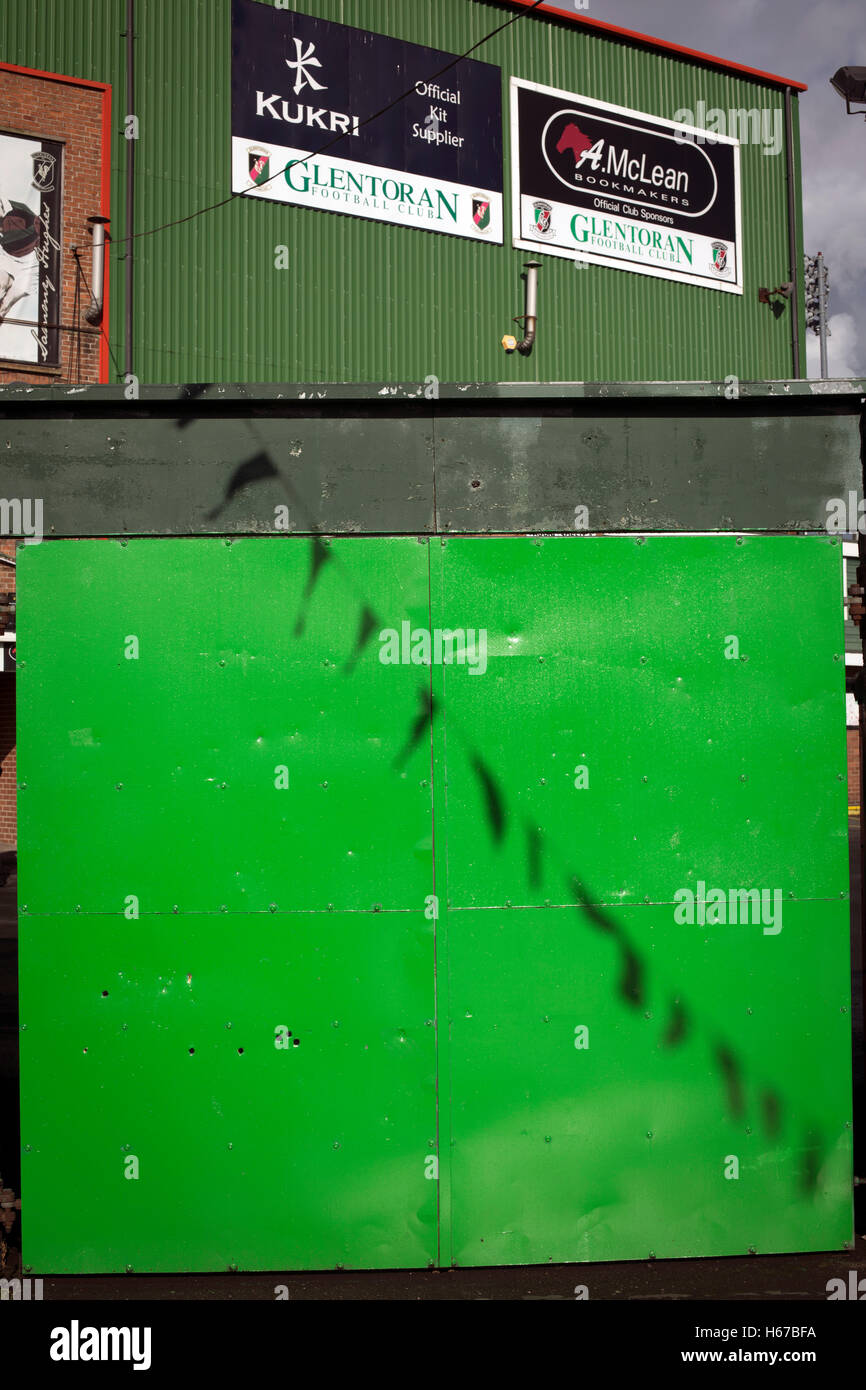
542	215
43	171
260	165
720	256
481	211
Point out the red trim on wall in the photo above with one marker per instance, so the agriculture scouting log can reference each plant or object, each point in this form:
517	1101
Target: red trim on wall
54	76
105	179
660	44
105	211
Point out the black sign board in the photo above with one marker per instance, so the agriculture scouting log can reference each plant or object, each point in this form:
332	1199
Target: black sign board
303	89
601	183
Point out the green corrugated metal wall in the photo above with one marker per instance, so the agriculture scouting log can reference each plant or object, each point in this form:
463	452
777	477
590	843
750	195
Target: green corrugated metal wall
363	301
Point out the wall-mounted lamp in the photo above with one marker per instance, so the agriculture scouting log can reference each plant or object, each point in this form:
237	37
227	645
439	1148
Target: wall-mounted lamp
772	297
784	291
850	83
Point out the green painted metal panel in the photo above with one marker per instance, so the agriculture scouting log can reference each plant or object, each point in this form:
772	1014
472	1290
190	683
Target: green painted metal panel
424	1032
180	746
249	1156
735	1047
659	664
705	1043
179	904
708	471
367	302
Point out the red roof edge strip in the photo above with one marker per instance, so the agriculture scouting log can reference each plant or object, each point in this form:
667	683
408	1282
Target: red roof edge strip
55	77
661	44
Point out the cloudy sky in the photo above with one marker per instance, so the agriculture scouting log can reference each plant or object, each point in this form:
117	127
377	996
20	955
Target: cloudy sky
805	40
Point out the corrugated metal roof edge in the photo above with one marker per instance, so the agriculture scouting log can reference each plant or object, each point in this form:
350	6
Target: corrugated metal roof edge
648	41
309	393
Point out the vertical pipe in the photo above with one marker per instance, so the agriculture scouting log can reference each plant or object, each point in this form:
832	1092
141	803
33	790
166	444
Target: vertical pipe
530	315
793	269
822	313
130	183
97	271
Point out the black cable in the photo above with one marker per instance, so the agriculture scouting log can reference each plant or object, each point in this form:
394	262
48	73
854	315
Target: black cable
76	309
223	202
101	325
78	335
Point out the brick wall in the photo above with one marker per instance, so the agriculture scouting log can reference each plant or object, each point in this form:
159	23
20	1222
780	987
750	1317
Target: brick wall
63	111
853	767
8	811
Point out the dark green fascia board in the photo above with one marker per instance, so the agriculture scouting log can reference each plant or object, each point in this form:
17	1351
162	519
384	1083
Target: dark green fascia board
306	393
366	460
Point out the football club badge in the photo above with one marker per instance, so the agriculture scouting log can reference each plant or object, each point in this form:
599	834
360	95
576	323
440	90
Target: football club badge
481	211
43	171
542	217
260	165
720	256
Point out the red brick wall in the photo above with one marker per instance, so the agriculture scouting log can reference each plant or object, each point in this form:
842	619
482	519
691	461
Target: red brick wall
8	811
8	823
61	111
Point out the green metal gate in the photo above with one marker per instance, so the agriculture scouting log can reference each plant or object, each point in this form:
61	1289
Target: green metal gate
356	877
